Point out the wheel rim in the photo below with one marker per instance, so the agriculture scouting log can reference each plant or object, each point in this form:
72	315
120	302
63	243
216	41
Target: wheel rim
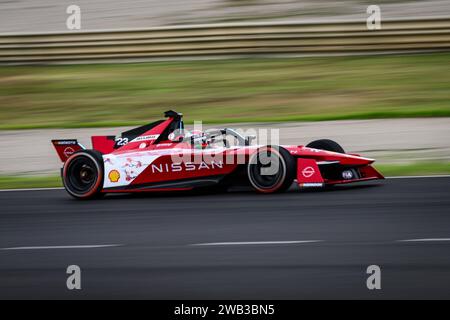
81	175
266	182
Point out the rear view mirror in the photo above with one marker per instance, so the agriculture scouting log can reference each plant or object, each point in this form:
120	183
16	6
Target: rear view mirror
248	139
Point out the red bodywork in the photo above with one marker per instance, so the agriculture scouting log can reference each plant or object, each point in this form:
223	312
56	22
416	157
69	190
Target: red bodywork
147	160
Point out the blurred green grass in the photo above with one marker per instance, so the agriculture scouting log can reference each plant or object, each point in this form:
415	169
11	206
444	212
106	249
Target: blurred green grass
414	169
218	91
388	170
25	182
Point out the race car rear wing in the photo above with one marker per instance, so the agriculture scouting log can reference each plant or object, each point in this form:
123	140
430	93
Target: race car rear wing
66	147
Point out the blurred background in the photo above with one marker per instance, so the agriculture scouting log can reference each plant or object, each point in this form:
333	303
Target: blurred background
310	68
49	15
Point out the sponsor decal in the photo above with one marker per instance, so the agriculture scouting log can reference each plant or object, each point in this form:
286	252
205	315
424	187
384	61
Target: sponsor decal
347	174
185	166
130	174
146	138
66	142
313	150
128	167
160	145
131	168
311	185
68	151
130	163
308	172
114	176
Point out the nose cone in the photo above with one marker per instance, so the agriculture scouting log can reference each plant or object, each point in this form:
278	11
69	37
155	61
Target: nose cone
323	155
344	158
349	159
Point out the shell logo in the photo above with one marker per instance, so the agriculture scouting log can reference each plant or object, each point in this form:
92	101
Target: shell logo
114	176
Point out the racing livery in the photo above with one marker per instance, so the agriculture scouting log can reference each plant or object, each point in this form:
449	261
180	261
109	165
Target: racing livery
163	156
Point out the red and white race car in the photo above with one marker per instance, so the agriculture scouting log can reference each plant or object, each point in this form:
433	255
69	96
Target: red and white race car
163	156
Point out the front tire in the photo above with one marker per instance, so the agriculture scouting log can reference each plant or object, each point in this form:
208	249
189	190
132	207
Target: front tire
327	145
83	174
271	169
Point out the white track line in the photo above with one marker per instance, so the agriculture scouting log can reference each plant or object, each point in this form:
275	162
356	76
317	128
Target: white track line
64	247
426	240
253	243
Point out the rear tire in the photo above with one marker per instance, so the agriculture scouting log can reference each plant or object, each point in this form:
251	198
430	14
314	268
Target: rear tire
83	174
283	175
327	145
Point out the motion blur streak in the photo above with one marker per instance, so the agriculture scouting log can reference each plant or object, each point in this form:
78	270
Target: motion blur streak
48	15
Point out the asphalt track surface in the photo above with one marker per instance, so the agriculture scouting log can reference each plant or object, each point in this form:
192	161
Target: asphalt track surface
156	256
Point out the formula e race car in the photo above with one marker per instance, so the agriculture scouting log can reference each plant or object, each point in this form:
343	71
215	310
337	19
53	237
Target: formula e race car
163	156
